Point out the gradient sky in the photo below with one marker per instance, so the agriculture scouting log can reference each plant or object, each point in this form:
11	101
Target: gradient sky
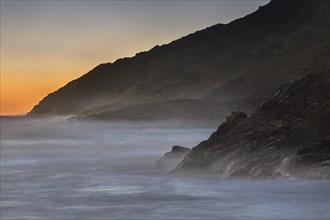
46	44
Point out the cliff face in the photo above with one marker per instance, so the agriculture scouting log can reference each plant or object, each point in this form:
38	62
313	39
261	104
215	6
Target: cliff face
239	64
287	135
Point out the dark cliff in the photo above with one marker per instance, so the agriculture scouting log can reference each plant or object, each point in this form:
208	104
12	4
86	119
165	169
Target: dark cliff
289	135
239	64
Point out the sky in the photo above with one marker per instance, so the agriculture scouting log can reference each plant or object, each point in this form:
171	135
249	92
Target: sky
46	44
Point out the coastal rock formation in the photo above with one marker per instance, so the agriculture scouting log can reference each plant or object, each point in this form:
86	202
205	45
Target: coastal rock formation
238	64
171	159
288	135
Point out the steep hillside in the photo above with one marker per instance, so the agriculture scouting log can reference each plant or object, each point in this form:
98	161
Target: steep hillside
242	62
288	135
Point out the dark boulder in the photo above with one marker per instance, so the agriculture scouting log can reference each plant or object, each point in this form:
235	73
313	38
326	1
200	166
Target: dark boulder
171	159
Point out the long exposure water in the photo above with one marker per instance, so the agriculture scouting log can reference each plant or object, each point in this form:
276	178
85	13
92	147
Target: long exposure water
55	169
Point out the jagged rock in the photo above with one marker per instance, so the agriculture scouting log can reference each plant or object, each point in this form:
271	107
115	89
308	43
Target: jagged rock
288	135
230	123
171	159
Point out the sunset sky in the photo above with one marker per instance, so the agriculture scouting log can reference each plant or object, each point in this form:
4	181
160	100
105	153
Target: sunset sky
46	44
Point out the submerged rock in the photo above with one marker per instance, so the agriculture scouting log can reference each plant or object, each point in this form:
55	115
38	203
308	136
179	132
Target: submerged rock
288	135
171	159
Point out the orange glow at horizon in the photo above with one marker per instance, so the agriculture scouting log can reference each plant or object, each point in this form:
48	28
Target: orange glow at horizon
19	95
24	85
26	82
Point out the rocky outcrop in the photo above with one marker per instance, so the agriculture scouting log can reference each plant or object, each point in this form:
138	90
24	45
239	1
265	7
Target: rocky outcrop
171	159
239	64
288	135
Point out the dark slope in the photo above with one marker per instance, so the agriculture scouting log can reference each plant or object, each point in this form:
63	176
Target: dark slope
210	111
287	135
242	63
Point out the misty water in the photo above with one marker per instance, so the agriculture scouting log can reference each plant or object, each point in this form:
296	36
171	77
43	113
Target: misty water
55	169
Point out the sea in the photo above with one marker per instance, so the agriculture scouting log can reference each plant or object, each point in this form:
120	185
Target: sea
55	168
